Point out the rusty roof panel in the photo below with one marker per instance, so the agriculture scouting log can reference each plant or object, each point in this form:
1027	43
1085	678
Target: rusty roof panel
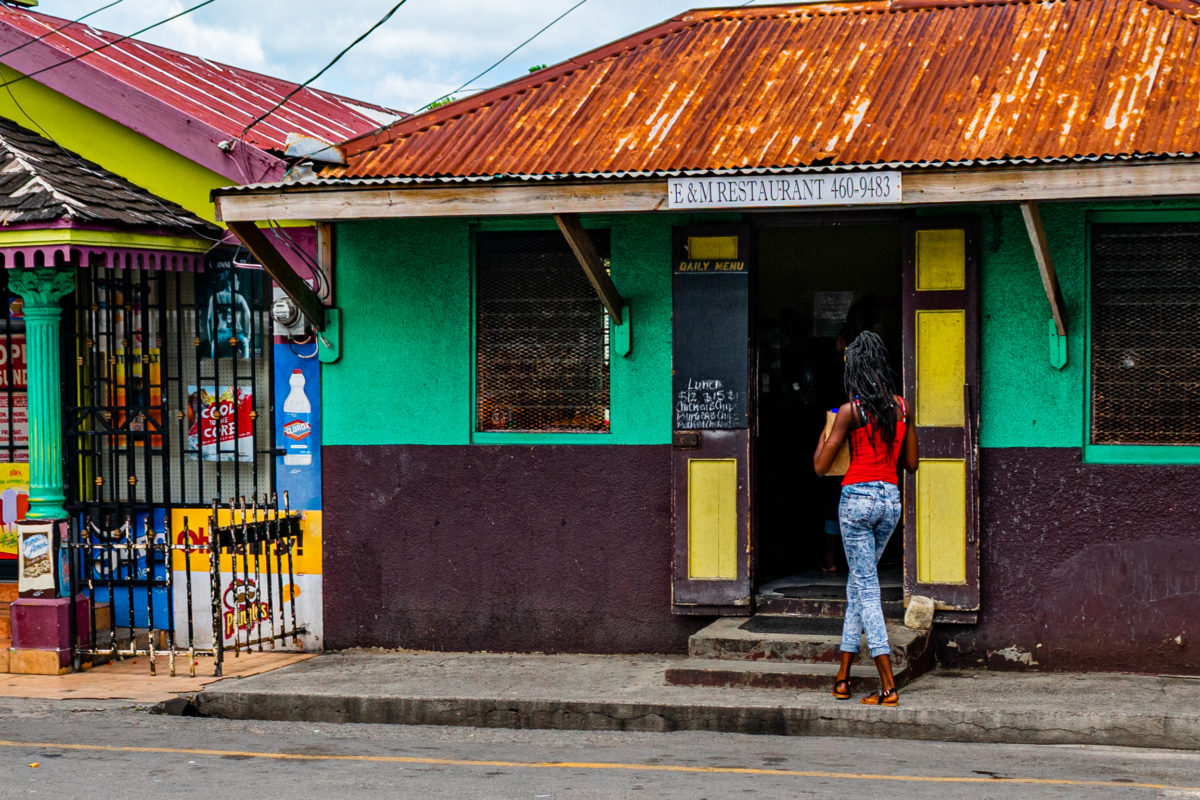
857	83
225	97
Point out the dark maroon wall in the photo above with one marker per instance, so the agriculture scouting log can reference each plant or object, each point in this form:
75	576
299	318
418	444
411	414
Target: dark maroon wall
1084	566
556	549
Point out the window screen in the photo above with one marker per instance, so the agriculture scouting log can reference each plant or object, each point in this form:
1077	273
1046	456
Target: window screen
1145	334
542	336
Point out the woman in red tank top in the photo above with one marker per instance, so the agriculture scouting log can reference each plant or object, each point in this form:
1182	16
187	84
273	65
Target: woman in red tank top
875	421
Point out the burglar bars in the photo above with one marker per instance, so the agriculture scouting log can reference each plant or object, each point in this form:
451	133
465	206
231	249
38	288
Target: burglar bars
126	571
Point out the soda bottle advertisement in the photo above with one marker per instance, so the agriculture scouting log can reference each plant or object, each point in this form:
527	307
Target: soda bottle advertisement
220	425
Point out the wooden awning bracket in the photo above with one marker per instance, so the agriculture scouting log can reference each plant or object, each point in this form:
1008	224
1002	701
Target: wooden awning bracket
593	267
1041	253
281	271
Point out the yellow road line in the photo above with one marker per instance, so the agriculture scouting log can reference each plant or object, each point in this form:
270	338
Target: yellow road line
597	765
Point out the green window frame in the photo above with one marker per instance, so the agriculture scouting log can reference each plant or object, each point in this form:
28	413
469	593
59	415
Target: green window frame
1128	453
540	356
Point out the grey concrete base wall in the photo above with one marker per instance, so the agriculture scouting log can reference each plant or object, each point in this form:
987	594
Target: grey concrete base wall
1084	567
519	549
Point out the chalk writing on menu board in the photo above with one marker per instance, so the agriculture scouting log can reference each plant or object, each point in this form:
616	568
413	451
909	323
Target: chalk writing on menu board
707	404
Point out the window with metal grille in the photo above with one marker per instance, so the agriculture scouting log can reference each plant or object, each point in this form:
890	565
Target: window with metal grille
542	336
168	403
1145	334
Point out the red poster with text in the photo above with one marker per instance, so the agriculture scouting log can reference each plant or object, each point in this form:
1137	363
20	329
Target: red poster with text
220	426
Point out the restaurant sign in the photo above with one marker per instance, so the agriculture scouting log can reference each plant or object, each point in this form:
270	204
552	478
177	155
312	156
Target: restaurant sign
747	191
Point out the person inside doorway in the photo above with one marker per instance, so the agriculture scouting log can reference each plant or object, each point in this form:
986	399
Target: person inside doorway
874	422
859	318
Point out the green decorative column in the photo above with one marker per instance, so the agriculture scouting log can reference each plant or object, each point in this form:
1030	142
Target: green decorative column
41	289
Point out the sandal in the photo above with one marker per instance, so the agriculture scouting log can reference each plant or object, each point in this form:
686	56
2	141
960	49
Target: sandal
842	695
889	697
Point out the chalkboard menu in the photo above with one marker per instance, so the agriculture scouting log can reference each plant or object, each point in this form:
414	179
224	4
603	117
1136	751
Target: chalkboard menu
711	329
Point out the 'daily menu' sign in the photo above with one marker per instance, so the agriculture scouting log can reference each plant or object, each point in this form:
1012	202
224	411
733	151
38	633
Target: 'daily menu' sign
753	191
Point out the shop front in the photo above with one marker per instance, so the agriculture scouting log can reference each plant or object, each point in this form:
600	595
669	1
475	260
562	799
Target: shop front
582	373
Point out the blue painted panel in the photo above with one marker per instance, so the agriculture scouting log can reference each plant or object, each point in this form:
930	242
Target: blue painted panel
124	578
298	432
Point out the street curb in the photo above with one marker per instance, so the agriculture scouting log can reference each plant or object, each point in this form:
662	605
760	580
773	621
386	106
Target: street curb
1095	727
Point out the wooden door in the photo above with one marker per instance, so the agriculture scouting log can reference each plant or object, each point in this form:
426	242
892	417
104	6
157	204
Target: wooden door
941	379
711	411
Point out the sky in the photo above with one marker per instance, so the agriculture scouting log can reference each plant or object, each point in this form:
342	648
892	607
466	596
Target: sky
427	49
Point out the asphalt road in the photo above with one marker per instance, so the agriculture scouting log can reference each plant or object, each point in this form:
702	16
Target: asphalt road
83	749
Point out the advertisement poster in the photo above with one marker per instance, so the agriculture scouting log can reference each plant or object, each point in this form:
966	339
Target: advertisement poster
14	424
298	425
246	600
139	385
14	411
225	297
14	502
100	564
36	571
220	426
13	369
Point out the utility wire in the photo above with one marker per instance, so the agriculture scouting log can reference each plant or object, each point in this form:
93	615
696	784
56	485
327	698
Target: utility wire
61	27
322	71
545	28
118	40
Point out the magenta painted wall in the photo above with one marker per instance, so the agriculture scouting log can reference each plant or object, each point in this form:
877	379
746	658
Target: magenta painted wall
551	548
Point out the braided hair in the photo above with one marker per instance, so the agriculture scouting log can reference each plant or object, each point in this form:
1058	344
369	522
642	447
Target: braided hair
869	384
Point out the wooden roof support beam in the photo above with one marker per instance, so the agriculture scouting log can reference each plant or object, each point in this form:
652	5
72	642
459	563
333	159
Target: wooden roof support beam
278	268
1041	252
593	266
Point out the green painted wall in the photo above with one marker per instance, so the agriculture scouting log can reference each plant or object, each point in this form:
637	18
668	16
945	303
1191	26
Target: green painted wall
404	377
111	145
1025	402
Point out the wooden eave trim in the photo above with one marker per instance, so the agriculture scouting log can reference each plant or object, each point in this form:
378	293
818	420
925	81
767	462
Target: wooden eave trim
76	237
945	186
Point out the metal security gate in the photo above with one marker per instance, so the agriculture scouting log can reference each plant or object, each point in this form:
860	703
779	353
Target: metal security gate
169	405
126	569
169	402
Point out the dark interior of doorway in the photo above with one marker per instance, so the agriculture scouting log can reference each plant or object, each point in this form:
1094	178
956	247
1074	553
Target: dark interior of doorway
814	282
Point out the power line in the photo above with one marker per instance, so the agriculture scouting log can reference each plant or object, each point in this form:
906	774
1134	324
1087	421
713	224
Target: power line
61	27
322	71
106	45
545	28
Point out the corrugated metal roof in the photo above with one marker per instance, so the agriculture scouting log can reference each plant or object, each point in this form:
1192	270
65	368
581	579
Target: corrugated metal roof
225	97
43	182
856	83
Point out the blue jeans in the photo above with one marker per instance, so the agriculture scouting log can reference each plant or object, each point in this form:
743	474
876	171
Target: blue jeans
868	514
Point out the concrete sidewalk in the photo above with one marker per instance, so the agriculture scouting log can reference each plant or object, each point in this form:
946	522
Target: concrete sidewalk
588	692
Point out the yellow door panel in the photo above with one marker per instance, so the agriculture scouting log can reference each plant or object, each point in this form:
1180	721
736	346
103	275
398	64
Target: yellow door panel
712	519
941	368
941	260
942	521
712	248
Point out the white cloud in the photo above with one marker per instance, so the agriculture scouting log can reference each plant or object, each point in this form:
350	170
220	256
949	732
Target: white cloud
427	48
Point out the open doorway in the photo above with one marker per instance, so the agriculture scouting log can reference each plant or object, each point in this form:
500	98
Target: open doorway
817	287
